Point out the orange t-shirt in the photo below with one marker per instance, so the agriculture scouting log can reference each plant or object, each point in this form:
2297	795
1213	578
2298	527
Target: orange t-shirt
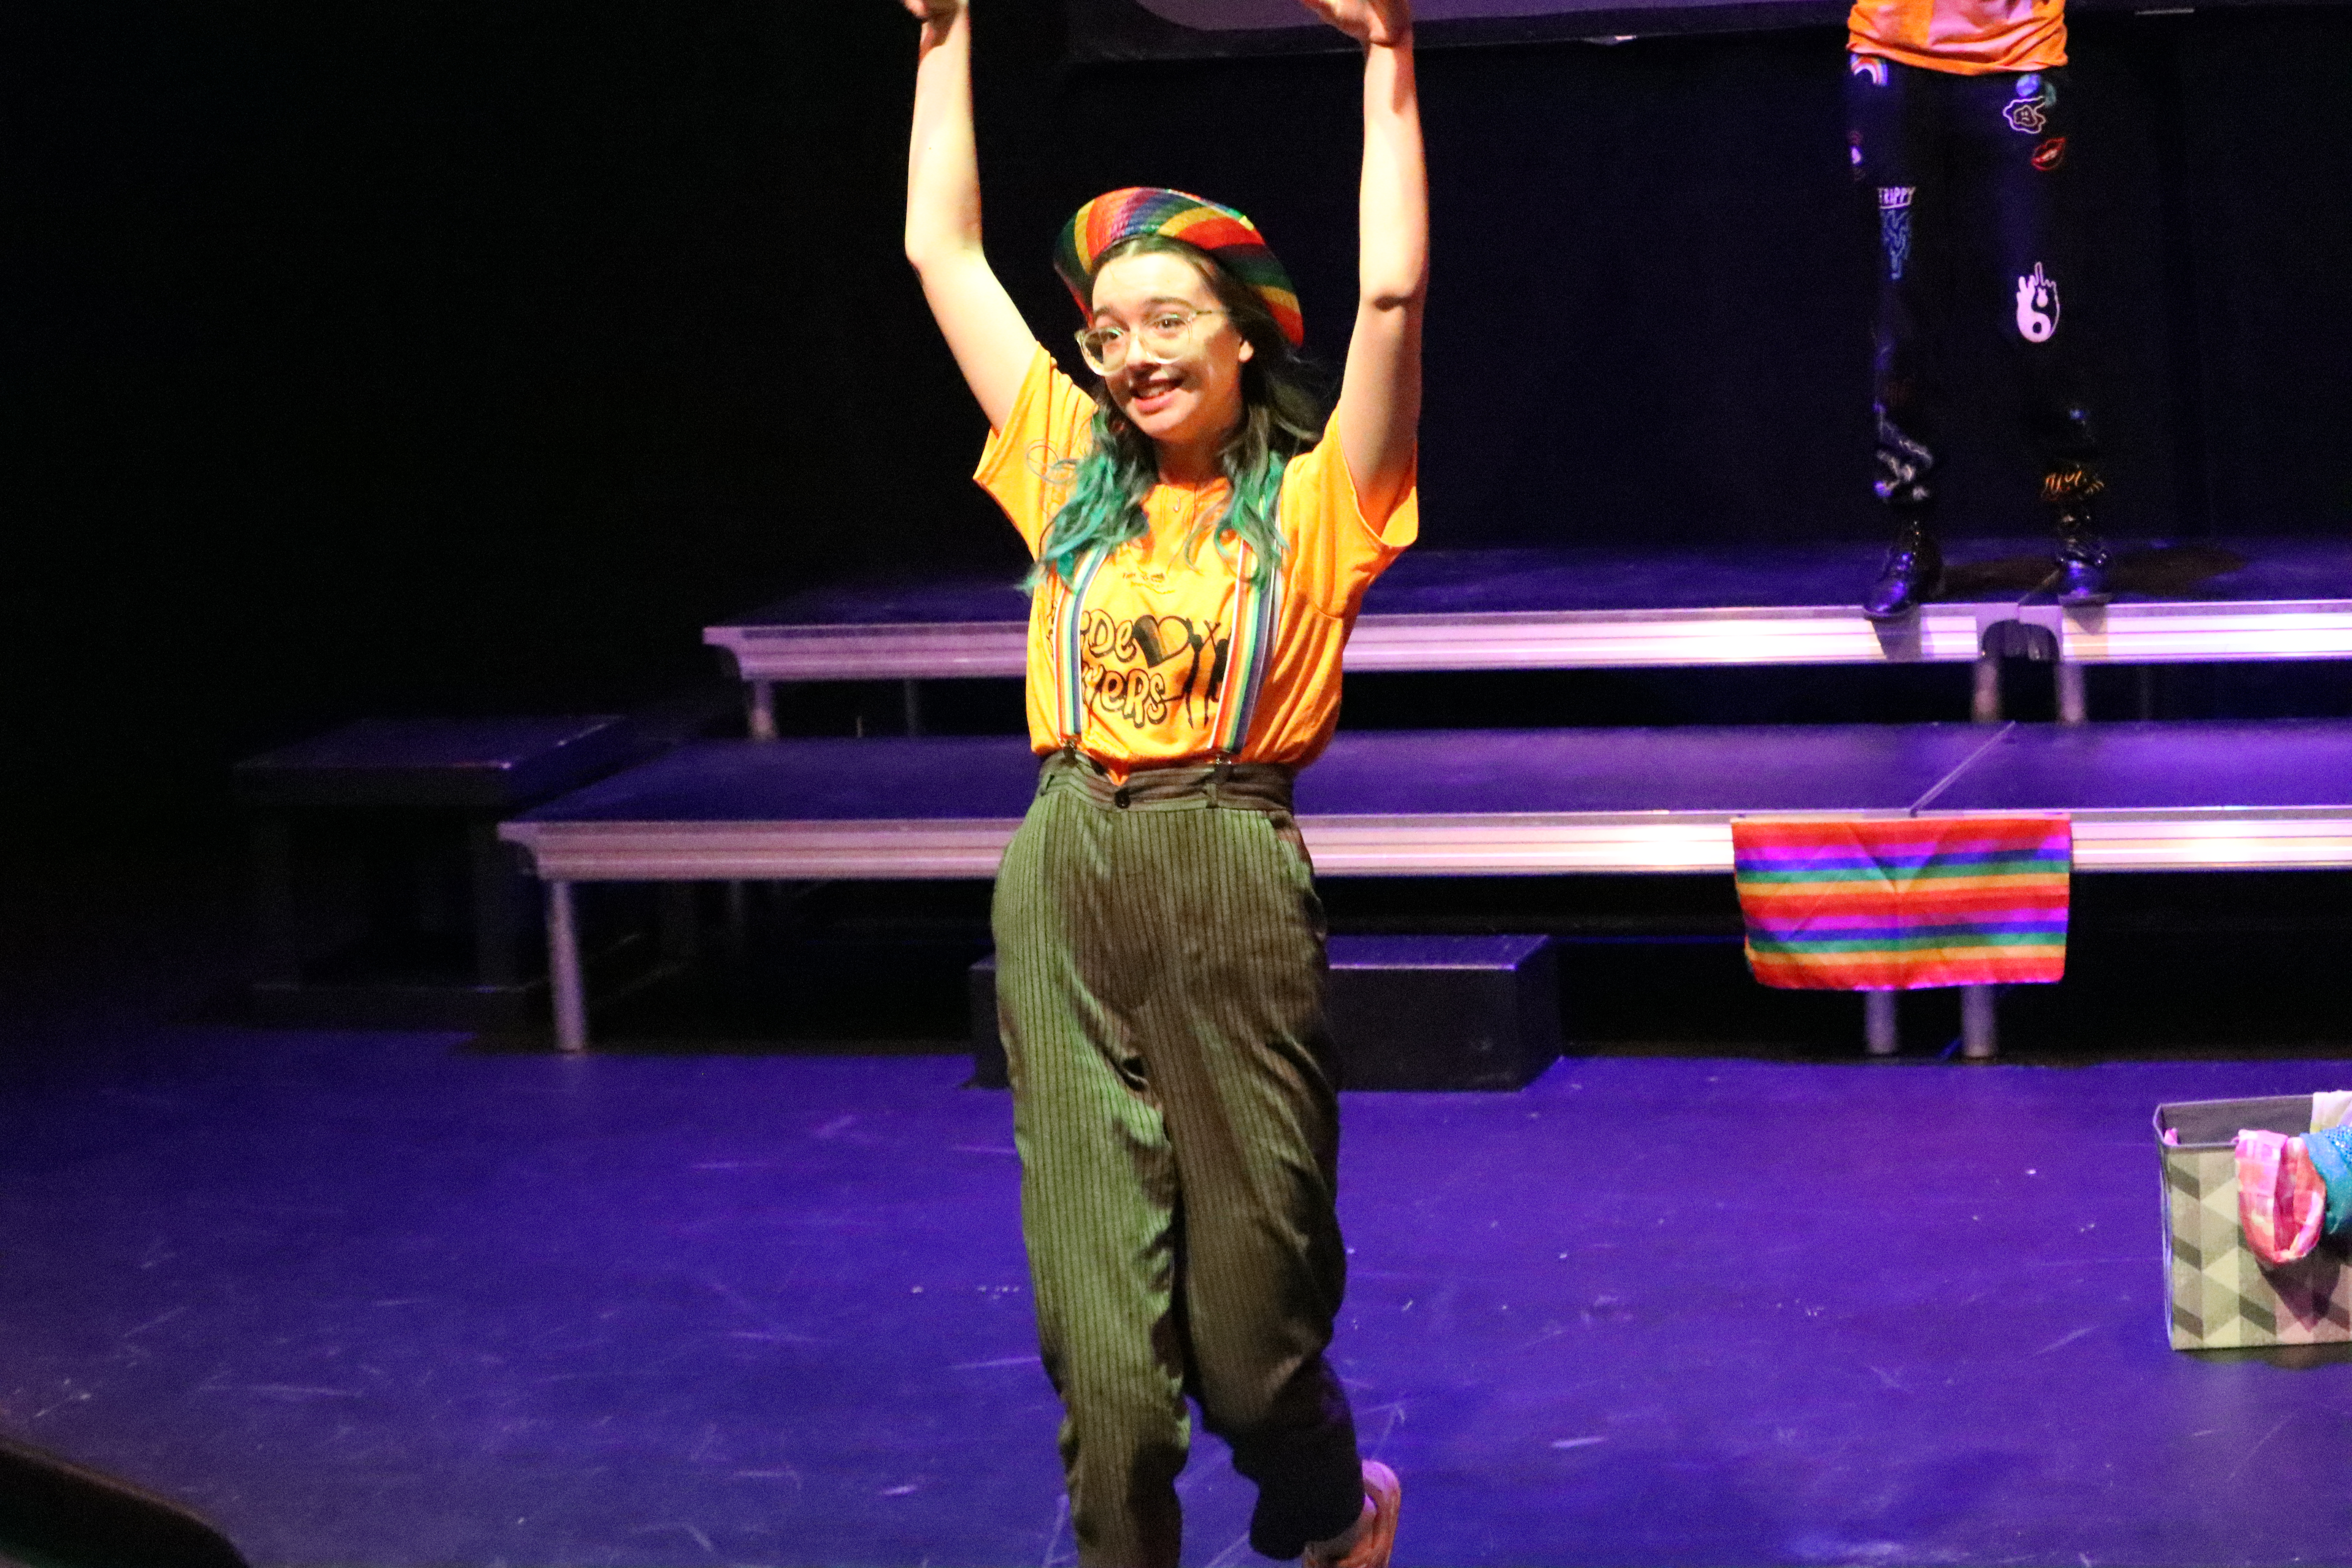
1966	37
1154	626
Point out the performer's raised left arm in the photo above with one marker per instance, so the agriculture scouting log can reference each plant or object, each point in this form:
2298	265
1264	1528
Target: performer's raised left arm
1379	393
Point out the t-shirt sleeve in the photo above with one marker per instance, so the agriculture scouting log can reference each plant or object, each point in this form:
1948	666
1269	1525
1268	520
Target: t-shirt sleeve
1336	549
1027	466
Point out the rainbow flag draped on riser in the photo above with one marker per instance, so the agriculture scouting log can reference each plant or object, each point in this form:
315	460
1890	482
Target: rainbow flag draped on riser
1896	904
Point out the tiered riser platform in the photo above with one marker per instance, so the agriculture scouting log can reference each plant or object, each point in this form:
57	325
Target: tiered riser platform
2178	796
2143	797
1596	607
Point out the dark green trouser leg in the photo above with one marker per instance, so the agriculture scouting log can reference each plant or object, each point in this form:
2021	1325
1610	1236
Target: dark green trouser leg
1159	977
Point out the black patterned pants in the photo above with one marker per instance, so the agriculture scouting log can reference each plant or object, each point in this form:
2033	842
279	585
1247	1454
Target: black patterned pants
1922	143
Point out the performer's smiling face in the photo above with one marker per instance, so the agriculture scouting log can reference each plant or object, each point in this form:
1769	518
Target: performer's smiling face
1182	387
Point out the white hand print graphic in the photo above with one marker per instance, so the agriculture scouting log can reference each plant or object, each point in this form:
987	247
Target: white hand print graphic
2037	306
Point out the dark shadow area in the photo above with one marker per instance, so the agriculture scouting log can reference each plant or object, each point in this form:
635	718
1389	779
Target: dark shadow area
2285	1358
868	967
2011	575
100	952
1543	699
2159	966
2171	572
55	1514
1648	965
2162	572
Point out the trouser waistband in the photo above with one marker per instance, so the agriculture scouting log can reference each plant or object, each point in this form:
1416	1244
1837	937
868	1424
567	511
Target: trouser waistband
1183	786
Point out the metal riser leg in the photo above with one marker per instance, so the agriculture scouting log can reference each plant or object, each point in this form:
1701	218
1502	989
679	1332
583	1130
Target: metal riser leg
1979	1032
2074	705
563	979
1878	1027
1984	696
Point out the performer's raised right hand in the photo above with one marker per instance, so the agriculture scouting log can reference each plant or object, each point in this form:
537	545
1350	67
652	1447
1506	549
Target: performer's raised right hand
983	328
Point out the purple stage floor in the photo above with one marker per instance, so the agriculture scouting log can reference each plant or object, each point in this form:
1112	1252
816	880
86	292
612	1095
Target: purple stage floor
383	1299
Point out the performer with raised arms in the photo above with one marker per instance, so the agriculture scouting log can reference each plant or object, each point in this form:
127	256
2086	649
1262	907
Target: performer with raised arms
1204	536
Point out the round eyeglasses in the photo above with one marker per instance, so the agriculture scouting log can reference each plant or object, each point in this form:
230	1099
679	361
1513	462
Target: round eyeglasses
1167	331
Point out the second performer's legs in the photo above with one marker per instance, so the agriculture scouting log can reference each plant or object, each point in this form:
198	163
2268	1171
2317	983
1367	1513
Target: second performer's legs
1894	128
2017	136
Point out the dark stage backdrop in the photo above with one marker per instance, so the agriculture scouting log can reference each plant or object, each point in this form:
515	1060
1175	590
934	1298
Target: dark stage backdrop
432	357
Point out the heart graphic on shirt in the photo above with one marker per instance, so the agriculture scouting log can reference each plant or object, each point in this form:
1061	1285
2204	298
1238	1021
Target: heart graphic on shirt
1163	637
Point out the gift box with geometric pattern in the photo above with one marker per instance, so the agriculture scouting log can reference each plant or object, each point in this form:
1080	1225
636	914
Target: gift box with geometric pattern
2222	1296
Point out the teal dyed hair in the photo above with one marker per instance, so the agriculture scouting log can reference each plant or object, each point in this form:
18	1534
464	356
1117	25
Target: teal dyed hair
1283	412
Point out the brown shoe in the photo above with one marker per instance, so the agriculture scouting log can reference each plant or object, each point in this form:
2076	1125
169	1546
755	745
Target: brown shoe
1374	1534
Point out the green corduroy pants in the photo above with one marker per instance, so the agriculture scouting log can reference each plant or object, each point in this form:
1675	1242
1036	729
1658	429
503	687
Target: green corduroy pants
1160	989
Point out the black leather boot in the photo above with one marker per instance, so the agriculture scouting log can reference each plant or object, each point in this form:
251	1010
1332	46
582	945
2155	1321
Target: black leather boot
1914	573
2080	556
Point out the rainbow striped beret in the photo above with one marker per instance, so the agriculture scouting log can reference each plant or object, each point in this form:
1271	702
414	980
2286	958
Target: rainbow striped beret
1221	231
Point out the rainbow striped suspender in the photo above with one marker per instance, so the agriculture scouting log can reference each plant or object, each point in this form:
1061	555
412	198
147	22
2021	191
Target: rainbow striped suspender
1247	653
1070	695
